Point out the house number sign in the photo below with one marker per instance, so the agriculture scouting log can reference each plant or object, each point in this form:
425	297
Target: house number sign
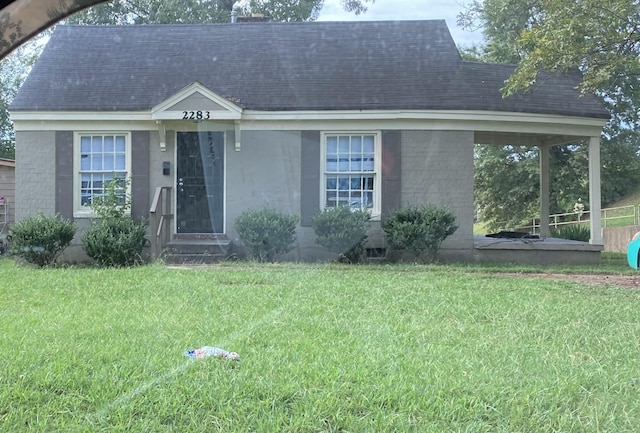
196	115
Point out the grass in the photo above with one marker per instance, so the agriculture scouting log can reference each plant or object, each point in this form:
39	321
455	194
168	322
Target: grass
323	348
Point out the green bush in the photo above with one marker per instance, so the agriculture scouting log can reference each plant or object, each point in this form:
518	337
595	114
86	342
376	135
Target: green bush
114	239
115	242
266	233
419	229
575	232
40	239
342	230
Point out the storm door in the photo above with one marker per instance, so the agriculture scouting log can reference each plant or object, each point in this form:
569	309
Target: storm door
200	182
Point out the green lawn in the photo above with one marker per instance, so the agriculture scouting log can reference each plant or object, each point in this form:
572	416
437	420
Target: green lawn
323	348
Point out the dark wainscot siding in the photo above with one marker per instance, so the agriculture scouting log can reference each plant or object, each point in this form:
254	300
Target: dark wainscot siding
310	166
64	173
391	176
140	161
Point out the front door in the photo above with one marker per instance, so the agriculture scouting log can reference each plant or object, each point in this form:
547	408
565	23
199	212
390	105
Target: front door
200	182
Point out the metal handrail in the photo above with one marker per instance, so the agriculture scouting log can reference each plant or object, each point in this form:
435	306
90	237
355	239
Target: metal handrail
160	216
568	218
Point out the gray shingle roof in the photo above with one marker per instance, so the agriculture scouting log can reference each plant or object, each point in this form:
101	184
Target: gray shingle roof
281	66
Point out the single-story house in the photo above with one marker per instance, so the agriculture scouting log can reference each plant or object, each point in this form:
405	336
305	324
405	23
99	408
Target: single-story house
209	121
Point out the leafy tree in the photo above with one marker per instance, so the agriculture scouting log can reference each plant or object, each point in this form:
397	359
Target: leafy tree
13	70
198	11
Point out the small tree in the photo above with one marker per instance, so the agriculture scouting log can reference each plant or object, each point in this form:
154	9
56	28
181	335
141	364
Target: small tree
40	239
114	238
419	229
342	230
266	233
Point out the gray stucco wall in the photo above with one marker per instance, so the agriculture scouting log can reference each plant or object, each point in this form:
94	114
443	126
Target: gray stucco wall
266	173
437	167
35	173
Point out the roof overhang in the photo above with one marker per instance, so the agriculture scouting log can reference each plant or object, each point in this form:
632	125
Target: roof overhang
489	127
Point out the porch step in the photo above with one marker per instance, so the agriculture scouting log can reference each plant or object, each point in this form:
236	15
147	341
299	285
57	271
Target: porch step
196	251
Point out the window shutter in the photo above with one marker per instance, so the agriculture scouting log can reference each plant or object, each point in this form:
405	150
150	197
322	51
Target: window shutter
391	175
140	174
310	166
64	173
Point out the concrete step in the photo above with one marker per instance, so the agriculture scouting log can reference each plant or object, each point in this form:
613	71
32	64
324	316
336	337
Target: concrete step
197	251
193	259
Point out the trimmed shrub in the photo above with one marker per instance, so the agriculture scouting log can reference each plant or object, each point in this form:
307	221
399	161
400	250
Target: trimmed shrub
574	232
40	239
115	242
266	233
342	230
419	229
114	238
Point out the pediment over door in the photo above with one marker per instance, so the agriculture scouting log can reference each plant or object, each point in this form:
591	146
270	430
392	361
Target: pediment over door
196	102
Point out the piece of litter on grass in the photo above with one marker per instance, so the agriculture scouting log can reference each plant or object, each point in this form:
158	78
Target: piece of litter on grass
208	351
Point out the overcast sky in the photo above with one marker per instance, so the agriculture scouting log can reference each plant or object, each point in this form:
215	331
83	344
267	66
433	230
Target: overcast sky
407	10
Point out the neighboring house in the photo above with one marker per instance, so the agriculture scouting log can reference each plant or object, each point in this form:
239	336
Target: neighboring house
295	116
7	198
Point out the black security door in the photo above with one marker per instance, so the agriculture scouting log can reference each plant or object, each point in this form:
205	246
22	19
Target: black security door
200	182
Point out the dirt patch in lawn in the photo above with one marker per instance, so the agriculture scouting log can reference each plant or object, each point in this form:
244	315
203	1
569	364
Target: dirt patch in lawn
626	281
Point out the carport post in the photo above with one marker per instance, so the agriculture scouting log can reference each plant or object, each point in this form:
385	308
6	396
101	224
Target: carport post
544	191
594	191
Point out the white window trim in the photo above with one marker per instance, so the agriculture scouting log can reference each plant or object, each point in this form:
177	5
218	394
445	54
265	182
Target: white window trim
80	211
377	186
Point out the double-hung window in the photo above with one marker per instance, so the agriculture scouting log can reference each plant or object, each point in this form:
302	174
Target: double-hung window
100	158
351	166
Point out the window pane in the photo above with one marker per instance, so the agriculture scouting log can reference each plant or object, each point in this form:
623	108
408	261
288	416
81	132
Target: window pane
332	182
331	199
96	162
108	144
368	164
343	183
120	162
85	162
332	144
108	162
96	144
343	163
368	183
368	200
356	182
332	163
355	201
356	144
368	144
85	144
120	143
343	144
356	163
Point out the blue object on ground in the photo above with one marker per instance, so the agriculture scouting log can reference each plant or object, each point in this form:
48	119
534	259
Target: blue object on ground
633	252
